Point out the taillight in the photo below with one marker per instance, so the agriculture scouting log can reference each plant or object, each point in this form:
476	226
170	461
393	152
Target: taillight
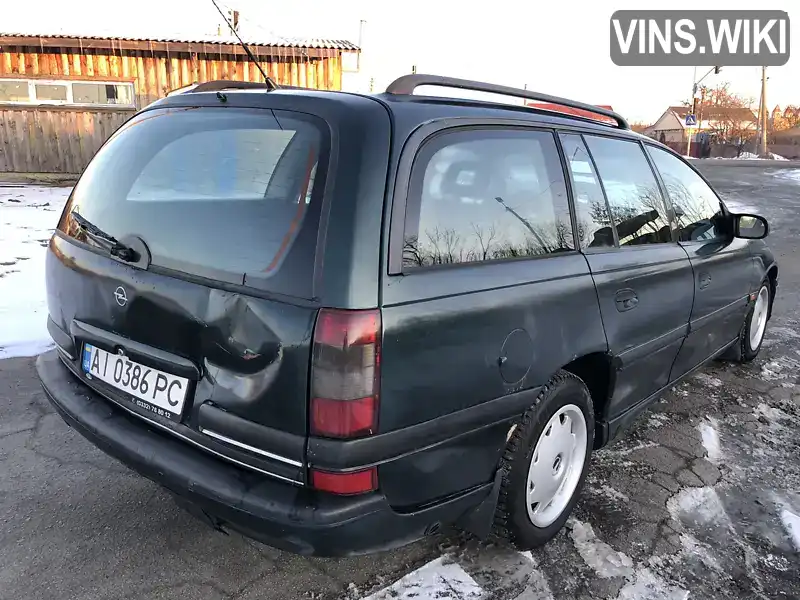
345	484
345	373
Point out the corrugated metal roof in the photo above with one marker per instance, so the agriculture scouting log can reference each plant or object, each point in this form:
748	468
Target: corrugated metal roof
740	113
271	41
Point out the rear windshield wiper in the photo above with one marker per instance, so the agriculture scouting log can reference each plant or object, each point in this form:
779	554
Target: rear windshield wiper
107	241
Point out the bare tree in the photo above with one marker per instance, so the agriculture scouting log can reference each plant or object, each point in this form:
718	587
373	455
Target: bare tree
639	127
411	251
785	119
730	117
486	236
444	246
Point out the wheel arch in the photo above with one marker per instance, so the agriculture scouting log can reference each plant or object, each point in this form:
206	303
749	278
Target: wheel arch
598	373
772	275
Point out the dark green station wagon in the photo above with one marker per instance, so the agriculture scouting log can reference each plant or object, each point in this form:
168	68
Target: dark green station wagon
338	322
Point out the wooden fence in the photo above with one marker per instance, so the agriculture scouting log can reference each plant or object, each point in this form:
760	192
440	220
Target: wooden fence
54	139
62	138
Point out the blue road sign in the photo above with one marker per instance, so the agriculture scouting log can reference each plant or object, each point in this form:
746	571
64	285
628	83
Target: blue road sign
691	120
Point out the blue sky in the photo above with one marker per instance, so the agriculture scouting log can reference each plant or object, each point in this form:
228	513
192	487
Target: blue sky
558	48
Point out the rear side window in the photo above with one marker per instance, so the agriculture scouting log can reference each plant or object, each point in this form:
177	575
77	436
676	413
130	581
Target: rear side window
220	193
591	211
482	195
639	211
695	204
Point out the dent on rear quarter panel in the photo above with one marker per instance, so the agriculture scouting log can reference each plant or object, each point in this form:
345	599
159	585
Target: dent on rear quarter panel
253	352
441	354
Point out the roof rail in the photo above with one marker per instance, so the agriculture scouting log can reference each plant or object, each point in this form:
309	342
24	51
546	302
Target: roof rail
220	85
406	85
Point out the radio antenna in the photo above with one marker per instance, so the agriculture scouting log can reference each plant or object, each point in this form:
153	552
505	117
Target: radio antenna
270	84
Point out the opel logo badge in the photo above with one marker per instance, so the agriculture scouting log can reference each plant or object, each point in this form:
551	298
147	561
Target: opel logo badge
121	296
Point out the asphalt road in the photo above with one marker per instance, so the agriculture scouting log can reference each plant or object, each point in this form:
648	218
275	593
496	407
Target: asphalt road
696	498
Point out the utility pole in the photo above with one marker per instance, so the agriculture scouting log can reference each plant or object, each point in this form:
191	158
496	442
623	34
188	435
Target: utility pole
361	24
689	129
695	83
762	117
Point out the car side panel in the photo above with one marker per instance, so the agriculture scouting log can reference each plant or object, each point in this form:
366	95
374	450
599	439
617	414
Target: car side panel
644	338
763	257
460	336
724	275
763	262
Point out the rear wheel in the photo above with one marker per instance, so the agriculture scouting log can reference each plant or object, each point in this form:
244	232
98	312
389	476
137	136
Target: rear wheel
545	463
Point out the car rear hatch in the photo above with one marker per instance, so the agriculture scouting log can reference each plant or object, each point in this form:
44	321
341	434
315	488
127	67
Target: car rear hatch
181	277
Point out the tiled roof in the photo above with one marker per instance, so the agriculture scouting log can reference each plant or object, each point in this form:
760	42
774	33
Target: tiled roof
271	41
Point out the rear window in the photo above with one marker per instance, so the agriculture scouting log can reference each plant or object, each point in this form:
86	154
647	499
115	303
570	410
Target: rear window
220	193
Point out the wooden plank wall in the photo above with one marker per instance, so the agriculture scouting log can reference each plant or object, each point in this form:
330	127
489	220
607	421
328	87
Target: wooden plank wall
62	140
156	73
34	140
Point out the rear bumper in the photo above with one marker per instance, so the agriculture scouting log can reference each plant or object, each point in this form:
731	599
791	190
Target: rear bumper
276	513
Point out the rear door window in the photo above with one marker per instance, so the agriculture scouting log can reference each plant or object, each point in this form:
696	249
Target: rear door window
591	211
483	195
220	193
639	210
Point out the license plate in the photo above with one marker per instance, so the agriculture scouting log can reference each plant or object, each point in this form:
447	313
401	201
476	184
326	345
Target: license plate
152	390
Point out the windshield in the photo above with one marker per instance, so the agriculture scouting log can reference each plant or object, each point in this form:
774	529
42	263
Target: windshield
221	193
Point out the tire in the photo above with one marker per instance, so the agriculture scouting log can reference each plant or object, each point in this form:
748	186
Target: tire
751	337
540	432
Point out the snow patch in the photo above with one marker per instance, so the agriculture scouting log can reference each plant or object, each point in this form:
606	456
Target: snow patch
700	505
641	583
791	174
649	586
439	579
780	368
784	332
753	156
779	563
770	413
28	215
657	420
771	372
610	492
708	430
791	522
602	558
708	380
537	585
632	449
692	547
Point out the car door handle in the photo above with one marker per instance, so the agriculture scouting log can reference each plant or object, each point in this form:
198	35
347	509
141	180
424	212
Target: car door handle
626	300
704	280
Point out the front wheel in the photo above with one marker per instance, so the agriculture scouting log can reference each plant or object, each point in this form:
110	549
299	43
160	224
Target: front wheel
545	463
755	324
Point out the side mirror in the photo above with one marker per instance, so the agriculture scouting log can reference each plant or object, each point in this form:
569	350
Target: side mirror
750	227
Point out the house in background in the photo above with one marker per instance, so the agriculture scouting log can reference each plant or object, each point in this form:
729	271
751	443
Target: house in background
62	96
670	128
787	143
